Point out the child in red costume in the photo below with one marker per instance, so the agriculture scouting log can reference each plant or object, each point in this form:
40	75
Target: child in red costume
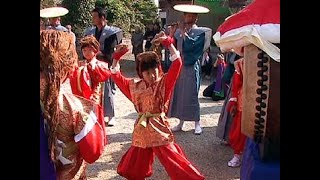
74	135
87	80
236	138
152	135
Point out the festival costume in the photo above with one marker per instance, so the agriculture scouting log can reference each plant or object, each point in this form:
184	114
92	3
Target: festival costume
236	138
225	118
192	45
254	33
220	86
47	170
87	81
78	136
185	103
58	28
54	12
108	38
152	135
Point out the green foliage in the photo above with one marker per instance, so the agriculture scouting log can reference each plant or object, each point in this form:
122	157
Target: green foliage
147	10
118	14
48	3
125	14
79	15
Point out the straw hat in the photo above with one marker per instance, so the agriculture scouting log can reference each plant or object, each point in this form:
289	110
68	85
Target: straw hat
53	12
190	8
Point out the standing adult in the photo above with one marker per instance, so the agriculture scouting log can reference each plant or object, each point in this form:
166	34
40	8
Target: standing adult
148	36
54	14
192	41
108	37
137	43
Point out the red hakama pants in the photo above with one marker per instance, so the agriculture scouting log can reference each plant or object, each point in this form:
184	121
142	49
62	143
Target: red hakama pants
236	138
136	163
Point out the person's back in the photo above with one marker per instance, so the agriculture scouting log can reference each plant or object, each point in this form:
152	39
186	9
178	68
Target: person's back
137	42
67	145
148	36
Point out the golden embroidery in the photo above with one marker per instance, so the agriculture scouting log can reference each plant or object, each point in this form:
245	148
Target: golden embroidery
149	102
143	117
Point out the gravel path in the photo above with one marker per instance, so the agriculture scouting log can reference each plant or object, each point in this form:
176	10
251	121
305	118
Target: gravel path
204	150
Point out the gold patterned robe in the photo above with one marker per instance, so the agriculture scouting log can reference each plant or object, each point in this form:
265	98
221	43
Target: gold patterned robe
68	161
151	102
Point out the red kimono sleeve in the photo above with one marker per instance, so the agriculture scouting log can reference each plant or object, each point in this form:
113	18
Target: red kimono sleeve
122	83
235	99
237	80
236	85
172	76
90	139
89	131
101	72
80	82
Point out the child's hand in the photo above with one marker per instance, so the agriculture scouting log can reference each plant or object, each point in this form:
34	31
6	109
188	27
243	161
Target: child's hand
163	39
121	49
157	40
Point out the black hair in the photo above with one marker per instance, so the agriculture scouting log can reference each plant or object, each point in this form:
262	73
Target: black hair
148	60
101	11
149	65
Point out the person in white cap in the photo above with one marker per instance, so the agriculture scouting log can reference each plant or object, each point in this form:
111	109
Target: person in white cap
192	41
54	14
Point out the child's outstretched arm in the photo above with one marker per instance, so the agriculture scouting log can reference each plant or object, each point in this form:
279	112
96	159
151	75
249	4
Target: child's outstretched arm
121	81
100	71
176	65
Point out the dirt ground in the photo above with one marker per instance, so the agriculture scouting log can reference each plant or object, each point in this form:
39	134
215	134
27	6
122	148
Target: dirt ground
204	151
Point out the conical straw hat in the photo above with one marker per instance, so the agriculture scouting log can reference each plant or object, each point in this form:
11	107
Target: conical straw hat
53	12
190	8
